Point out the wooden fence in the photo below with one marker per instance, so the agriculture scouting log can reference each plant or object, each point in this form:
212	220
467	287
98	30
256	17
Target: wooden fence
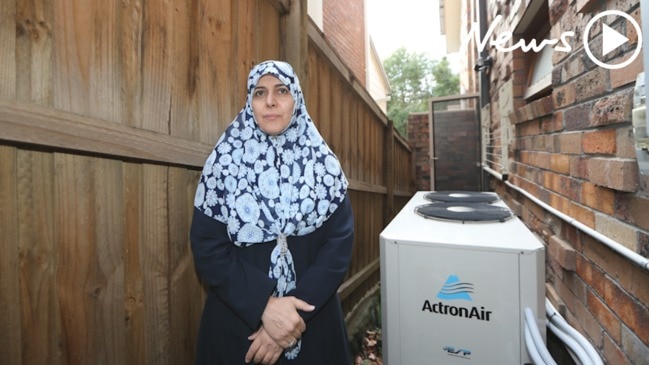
107	112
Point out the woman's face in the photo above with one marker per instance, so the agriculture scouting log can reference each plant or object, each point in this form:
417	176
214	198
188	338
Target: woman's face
272	105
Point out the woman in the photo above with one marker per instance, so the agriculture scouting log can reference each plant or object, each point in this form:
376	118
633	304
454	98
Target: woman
272	234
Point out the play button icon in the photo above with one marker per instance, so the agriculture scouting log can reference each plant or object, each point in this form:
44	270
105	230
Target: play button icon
612	39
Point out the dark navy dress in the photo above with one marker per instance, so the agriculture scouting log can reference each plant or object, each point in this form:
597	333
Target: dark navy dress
239	288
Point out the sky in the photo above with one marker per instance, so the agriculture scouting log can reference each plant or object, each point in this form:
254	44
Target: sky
413	24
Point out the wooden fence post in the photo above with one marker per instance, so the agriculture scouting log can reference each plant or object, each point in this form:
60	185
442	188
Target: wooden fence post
295	39
388	159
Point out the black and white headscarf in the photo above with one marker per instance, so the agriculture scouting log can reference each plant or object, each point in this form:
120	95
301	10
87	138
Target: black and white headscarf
266	188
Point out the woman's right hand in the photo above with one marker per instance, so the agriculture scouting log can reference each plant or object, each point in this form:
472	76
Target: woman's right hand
281	320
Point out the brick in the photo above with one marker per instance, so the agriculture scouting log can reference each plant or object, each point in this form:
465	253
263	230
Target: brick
619	231
591	84
592	329
579	167
569	70
564	96
643	244
592	275
570	143
583	6
552	181
600	142
613	354
628	74
632	313
625	142
557	9
545	106
636	350
612	109
632	34
604	316
560	163
635	210
561	251
569	295
580	213
618	174
577	117
597	197
574	189
621	5
629	276
552	123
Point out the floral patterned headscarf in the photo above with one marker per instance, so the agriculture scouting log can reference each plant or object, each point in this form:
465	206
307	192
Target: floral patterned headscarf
266	188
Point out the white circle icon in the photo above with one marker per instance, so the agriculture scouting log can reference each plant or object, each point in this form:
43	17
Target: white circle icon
611	39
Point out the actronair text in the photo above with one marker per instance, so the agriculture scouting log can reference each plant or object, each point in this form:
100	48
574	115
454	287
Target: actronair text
471	313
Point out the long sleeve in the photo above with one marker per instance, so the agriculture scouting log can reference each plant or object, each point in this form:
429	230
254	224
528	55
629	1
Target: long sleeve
240	284
322	278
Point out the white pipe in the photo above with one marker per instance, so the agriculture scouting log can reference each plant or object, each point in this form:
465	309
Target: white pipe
531	348
556	319
530	321
493	172
571	343
636	258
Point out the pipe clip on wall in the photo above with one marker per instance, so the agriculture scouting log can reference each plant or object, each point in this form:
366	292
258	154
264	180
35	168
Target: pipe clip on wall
640	125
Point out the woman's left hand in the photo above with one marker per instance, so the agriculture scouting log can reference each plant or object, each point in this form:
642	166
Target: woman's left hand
263	350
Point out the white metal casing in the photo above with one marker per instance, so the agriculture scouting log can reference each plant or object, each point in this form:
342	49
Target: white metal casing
498	269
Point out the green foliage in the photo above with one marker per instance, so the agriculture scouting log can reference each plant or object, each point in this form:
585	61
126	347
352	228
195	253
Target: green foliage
415	78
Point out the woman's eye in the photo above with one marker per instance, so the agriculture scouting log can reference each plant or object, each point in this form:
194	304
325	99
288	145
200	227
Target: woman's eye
282	90
259	93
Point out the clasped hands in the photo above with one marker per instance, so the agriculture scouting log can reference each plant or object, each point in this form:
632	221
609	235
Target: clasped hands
281	327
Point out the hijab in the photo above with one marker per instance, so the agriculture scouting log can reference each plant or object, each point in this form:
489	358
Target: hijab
266	188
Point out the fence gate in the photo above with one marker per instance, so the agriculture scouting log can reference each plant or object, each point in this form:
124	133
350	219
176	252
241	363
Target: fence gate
455	143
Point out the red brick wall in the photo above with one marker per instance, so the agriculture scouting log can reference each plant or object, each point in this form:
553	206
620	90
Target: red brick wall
574	151
419	140
344	27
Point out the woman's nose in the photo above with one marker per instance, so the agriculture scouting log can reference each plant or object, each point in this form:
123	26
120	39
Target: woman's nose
270	99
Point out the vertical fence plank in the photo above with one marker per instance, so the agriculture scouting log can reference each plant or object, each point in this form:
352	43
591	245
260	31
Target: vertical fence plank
186	294
389	171
157	66
130	28
8	72
269	21
39	305
85	77
90	265
185	42
108	207
135	312
242	26
33	50
211	90
324	100
154	262
346	141
10	326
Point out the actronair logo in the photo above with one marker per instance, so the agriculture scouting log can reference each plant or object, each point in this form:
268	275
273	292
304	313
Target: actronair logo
454	289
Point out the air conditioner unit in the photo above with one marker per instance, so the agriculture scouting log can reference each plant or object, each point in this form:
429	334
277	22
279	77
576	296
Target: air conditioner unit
456	277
